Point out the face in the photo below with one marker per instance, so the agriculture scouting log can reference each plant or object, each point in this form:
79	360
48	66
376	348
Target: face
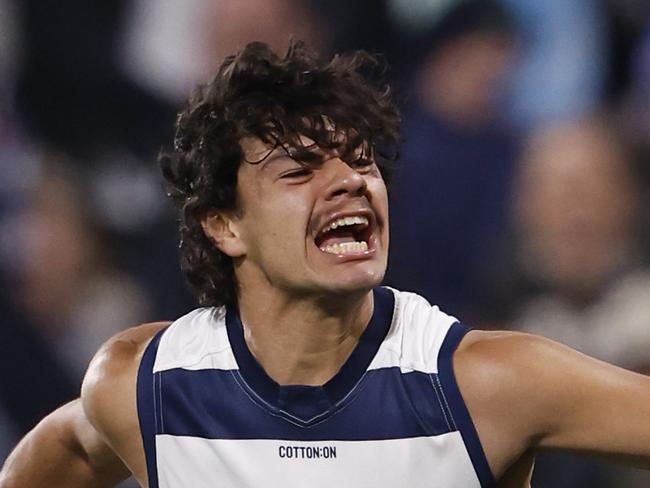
319	229
575	204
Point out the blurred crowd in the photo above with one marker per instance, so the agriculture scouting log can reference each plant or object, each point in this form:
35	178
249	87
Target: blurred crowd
521	200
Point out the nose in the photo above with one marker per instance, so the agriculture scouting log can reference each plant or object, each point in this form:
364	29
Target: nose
344	180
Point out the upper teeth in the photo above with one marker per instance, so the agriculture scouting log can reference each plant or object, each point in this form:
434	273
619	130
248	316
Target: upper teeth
356	219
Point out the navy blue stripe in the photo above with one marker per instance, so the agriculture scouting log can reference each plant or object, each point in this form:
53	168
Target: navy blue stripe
305	402
457	405
147	413
366	349
216	404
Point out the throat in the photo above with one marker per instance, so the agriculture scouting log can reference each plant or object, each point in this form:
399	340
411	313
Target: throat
300	360
300	343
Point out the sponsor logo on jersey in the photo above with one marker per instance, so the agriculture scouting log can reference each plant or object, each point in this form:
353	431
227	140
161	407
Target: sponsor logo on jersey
307	452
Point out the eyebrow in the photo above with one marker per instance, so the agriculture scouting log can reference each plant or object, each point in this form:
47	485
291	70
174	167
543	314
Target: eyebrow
281	152
274	155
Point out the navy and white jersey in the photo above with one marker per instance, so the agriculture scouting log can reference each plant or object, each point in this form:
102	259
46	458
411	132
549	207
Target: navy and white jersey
392	416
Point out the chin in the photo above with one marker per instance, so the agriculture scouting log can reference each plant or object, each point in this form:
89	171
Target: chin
358	283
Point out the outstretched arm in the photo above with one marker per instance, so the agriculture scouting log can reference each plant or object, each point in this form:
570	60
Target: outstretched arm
600	409
63	450
527	393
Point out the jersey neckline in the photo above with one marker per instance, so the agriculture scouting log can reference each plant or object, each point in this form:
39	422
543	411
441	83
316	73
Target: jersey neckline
305	403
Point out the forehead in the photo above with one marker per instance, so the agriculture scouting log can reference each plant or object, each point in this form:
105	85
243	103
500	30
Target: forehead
257	151
311	134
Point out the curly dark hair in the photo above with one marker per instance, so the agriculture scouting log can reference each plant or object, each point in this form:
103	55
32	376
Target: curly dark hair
276	99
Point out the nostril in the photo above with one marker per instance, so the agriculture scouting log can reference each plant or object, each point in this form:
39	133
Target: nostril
363	186
346	181
355	189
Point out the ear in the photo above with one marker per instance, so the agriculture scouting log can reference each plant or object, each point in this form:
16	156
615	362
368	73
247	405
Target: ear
220	229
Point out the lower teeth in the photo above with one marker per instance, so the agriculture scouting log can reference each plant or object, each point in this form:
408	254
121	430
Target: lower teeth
346	247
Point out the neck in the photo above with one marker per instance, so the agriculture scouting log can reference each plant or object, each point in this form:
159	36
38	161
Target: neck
303	340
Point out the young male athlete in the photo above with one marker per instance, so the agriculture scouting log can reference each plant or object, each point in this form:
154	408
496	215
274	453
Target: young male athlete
301	370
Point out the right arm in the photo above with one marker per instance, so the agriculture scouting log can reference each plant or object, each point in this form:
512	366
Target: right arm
92	442
64	449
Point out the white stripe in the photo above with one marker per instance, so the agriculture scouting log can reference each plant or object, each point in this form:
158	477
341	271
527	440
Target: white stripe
432	462
416	335
199	340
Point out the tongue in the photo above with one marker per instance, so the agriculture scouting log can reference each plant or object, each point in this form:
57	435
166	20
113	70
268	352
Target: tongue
336	237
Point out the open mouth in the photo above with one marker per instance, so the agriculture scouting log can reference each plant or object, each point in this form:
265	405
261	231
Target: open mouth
345	236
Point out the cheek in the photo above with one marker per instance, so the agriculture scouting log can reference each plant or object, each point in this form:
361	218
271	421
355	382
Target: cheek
277	225
379	195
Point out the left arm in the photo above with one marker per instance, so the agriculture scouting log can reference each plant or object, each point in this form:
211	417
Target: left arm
599	408
527	393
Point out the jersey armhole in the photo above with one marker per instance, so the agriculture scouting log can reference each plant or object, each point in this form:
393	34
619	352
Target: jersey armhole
148	411
459	411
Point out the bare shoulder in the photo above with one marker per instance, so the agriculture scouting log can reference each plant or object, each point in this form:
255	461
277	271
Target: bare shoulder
504	372
516	363
525	392
117	360
108	393
508	381
505	349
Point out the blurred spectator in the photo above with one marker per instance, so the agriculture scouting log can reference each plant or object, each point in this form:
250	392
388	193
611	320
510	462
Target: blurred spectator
451	190
164	45
65	282
577	275
70	90
73	95
562	69
33	382
233	23
576	214
169	46
62	295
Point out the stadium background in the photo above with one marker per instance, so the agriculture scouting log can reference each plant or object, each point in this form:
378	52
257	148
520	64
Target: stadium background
521	200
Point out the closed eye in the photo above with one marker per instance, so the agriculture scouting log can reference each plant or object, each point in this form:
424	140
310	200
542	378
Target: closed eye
363	164
297	173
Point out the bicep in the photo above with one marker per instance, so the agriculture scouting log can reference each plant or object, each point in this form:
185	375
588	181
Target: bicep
594	407
527	393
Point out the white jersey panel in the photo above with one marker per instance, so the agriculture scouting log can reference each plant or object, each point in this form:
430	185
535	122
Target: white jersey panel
415	337
424	462
199	340
196	341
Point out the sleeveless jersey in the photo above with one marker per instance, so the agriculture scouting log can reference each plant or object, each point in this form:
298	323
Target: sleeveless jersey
392	416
